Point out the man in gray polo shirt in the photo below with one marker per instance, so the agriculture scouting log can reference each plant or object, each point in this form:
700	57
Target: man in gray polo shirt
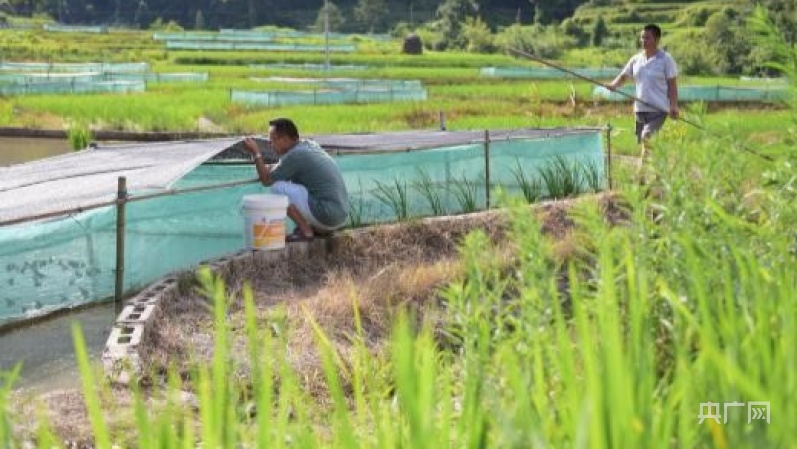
655	73
308	176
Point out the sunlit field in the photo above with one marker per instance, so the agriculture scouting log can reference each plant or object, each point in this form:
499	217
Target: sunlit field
664	315
453	82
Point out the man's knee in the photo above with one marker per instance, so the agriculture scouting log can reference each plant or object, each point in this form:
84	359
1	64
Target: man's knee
279	187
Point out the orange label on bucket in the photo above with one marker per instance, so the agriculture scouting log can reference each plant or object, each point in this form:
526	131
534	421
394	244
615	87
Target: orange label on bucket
268	234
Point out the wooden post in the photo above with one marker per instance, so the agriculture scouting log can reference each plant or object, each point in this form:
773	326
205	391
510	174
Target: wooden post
487	168
609	155
121	201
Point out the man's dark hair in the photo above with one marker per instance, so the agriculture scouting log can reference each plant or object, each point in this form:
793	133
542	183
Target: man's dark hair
285	127
653	29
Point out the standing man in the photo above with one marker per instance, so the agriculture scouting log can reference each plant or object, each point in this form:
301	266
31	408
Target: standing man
308	176
655	73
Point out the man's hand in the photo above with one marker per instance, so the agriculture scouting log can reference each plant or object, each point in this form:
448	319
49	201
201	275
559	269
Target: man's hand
674	113
251	146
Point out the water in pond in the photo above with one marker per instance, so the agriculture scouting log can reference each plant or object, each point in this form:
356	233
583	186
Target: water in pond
70	262
16	150
45	348
46	351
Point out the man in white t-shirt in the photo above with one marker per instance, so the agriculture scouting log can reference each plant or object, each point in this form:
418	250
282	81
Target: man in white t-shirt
654	72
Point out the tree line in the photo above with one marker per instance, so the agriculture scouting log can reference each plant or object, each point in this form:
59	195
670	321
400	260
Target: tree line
715	39
360	15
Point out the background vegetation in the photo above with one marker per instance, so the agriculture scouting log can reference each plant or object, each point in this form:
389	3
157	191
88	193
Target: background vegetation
451	77
705	36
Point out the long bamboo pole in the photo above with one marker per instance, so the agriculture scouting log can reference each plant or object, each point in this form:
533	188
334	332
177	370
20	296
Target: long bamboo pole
633	97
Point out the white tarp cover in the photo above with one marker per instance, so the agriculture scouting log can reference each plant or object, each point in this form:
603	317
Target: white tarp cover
91	176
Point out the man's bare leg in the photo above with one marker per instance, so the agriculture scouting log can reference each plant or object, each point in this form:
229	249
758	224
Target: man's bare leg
641	174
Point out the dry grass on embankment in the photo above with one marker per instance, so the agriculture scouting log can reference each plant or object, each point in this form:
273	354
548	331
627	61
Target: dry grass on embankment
379	270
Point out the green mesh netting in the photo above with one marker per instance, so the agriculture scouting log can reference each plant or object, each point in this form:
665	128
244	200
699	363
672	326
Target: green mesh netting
454	179
229	35
75	28
350	83
33	78
229	46
301	34
73	87
210	37
276	33
66	67
63	263
279	98
308	66
189	77
705	93
62	78
18	78
547	72
71	261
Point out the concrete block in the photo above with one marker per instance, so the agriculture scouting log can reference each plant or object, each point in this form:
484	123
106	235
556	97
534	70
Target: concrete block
125	336
120	358
136	313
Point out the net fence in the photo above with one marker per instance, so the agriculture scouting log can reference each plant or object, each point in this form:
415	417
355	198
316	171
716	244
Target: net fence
339	95
349	83
66	78
308	66
73	87
705	93
70	261
67	67
211	37
60	28
547	72
231	46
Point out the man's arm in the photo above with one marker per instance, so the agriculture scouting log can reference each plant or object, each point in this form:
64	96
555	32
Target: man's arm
263	169
672	93
618	82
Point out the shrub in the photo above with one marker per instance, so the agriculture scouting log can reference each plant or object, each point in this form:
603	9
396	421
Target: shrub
543	41
599	32
478	37
573	29
79	136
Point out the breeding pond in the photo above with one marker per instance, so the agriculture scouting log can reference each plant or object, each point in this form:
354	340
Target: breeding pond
16	150
44	348
70	261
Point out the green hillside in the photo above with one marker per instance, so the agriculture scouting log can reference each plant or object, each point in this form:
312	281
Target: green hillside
705	37
708	37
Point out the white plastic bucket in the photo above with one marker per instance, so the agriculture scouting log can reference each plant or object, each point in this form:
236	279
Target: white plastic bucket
264	220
